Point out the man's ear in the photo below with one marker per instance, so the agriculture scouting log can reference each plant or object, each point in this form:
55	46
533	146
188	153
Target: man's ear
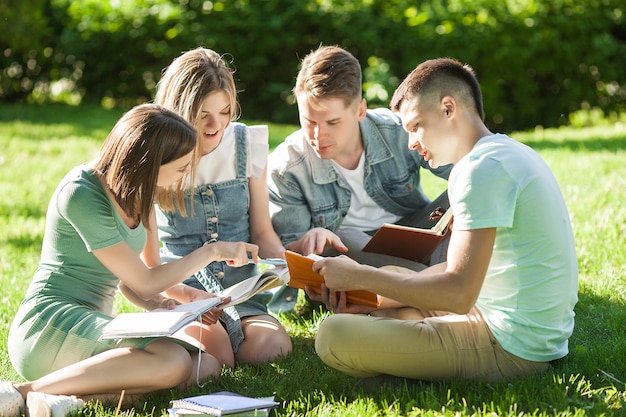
448	105
362	111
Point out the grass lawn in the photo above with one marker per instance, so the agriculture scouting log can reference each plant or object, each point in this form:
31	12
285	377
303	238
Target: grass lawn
38	145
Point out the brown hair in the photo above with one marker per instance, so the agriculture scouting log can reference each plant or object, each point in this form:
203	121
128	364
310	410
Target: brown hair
440	77
143	139
184	86
330	72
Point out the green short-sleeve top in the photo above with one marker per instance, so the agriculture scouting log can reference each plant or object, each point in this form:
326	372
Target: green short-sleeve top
81	218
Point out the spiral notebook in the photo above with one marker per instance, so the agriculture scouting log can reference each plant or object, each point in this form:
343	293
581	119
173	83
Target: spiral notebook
223	403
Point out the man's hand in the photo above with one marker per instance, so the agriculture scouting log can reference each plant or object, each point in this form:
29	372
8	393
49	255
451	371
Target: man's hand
336	301
315	241
340	272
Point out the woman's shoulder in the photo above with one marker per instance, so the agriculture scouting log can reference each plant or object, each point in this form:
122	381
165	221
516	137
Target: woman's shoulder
254	133
80	181
81	176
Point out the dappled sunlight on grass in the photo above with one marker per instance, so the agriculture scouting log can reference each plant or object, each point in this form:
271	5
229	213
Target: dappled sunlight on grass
38	146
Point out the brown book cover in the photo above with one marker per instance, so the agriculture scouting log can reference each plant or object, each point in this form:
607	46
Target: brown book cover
407	242
301	274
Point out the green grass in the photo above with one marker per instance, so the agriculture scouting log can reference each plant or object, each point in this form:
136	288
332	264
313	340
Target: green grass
39	144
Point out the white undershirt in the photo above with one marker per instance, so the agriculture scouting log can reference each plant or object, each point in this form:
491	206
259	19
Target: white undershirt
221	164
364	214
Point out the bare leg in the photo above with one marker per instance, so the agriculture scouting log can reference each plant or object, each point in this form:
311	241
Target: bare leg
265	340
163	364
214	340
208	367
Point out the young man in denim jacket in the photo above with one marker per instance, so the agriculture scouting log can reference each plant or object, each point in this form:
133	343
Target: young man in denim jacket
348	170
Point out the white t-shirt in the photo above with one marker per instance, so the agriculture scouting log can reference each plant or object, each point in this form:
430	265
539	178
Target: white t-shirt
364	214
531	285
221	164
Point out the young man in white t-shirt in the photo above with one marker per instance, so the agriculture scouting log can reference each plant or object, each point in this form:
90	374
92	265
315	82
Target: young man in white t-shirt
502	305
334	182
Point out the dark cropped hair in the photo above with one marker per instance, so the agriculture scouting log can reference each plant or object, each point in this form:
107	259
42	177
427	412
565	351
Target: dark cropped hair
142	140
442	76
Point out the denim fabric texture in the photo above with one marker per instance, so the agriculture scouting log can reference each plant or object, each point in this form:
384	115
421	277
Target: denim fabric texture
307	192
220	213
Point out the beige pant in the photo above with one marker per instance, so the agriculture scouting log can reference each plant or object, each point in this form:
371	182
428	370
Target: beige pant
411	343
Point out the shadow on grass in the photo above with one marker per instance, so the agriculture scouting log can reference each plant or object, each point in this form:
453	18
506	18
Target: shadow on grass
10	209
304	385
598	345
24	241
90	121
590	378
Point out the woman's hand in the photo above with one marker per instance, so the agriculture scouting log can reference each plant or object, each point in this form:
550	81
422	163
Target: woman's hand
233	253
166	303
213	315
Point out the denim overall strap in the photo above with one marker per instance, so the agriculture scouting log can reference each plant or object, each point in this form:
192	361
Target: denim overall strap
230	318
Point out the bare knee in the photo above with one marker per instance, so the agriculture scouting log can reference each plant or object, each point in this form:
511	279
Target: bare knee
205	366
224	354
216	342
265	340
173	364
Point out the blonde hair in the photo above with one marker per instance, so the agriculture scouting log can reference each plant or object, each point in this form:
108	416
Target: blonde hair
184	86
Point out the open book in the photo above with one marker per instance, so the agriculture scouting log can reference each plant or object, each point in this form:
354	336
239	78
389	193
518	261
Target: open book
301	274
163	322
407	242
222	404
246	289
159	322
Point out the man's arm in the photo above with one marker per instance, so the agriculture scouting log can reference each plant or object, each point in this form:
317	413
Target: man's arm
261	231
291	219
454	289
289	210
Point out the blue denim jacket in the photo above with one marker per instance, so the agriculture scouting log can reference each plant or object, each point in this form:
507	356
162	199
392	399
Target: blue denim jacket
307	192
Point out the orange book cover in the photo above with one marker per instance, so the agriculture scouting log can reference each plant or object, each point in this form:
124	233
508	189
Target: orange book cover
409	242
301	274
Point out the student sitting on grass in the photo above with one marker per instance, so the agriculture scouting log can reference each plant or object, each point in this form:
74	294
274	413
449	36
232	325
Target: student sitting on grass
229	203
502	305
334	182
96	229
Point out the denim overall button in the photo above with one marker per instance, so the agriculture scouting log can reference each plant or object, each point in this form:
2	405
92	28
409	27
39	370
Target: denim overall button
220	274
213	219
214	235
209	192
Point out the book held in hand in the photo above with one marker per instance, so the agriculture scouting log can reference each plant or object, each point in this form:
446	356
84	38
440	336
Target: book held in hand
407	242
222	403
301	275
159	322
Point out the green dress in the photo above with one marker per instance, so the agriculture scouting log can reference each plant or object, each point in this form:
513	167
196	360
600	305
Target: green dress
70	298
